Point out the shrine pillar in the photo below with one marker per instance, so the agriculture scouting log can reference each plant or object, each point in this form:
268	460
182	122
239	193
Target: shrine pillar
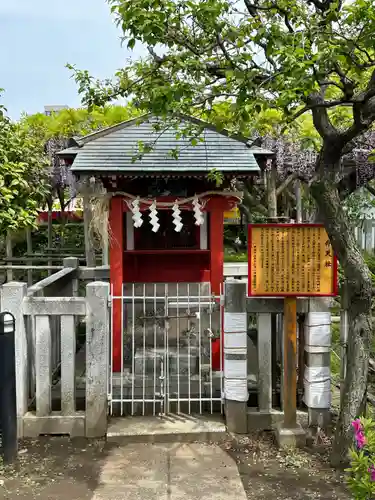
216	245
116	256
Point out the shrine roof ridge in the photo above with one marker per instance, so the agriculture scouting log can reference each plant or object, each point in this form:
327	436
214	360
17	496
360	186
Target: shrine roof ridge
114	148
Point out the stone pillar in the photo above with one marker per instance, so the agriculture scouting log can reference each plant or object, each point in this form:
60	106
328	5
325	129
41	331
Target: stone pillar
12	298
235	356
72	288
72	262
265	362
317	382
97	358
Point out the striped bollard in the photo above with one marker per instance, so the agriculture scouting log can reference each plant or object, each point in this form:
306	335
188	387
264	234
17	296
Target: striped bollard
317	374
235	356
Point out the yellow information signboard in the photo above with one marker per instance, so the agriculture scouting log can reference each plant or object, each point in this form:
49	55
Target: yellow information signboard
232	216
291	260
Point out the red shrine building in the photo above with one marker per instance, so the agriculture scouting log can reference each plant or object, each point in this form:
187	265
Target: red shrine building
166	213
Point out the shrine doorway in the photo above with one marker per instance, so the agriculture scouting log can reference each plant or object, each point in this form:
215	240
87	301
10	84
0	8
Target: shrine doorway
171	359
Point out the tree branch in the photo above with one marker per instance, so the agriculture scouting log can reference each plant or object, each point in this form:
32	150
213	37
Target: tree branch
324	5
252	8
321	104
320	115
363	111
286	183
227	56
327	83
356	45
252	11
158	59
318	5
188	44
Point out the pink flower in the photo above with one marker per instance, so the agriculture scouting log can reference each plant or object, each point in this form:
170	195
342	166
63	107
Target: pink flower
360	438
372	472
358	433
357	426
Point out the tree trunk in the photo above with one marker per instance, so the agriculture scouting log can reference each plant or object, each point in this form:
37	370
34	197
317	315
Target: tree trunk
298	194
359	290
271	192
252	203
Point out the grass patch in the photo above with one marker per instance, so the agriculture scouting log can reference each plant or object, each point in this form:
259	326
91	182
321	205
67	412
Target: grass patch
230	256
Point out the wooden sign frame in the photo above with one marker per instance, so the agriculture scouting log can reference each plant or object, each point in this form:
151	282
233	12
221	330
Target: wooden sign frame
251	293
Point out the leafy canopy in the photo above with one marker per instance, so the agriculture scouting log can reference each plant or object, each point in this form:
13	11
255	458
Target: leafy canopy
53	131
296	56
23	177
71	122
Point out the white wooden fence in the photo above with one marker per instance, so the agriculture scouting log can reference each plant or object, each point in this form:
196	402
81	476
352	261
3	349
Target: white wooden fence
365	236
45	344
46	316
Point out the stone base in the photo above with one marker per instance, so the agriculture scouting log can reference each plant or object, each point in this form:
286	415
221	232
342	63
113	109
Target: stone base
55	424
270	420
290	438
236	416
319	418
264	420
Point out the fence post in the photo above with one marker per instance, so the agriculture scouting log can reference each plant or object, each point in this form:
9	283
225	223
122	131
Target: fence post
72	289
43	365
265	362
97	358
367	229
235	356
344	330
12	299
317	395
72	262
8	406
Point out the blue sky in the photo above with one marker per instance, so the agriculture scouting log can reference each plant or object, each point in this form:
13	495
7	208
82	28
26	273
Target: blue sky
37	39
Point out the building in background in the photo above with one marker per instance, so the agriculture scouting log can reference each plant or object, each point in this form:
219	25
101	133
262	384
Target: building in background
48	110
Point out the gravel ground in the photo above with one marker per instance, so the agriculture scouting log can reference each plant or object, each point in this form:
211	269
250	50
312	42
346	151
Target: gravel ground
63	469
268	473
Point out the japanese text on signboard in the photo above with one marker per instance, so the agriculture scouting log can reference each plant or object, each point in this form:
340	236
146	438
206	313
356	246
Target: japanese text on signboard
290	260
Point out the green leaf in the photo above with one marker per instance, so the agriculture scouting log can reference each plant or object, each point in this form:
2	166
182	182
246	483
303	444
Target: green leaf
131	43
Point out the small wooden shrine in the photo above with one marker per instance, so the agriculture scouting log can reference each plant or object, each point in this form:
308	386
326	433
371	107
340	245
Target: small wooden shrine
166	217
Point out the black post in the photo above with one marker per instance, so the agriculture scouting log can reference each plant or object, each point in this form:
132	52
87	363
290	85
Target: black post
8	409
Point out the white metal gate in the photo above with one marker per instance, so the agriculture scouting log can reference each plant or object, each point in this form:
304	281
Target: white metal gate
170	338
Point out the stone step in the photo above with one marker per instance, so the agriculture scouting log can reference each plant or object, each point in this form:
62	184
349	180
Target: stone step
167	428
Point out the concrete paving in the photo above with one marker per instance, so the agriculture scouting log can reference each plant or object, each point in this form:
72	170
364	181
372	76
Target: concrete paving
176	471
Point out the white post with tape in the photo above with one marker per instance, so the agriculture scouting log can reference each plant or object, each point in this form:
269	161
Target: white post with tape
317	374
235	355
